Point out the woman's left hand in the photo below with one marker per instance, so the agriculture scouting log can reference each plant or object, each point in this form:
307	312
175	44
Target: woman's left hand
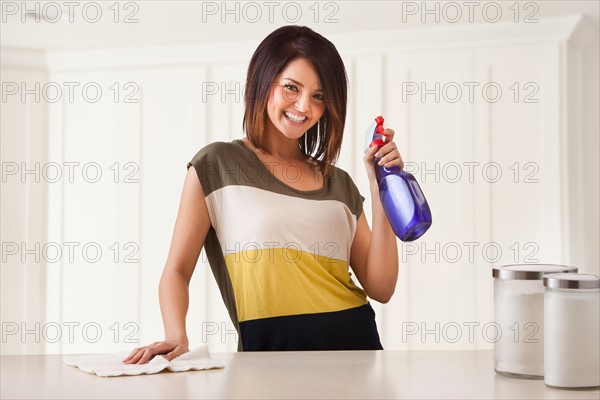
388	153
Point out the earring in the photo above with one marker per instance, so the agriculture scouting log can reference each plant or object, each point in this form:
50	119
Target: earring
319	127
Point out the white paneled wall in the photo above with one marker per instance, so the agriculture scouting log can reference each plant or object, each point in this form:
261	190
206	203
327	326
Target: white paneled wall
22	214
455	146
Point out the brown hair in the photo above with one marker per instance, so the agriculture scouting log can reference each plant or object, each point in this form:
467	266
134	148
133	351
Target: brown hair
323	141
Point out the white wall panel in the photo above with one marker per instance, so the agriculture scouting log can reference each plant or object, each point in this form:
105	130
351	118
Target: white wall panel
439	137
100	215
23	210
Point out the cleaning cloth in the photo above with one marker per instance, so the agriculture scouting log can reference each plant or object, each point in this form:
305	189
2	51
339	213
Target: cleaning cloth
108	365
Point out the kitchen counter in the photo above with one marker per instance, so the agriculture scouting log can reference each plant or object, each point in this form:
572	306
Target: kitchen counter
314	375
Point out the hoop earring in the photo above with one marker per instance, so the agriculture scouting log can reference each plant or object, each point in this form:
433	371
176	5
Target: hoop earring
306	141
319	127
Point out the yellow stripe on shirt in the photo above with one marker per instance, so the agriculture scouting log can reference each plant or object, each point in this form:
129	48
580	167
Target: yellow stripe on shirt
272	282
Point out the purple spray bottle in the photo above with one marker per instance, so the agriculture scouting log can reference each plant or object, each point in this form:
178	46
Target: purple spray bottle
401	196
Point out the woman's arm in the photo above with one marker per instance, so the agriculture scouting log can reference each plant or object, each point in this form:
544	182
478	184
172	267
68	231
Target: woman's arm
374	255
191	227
190	231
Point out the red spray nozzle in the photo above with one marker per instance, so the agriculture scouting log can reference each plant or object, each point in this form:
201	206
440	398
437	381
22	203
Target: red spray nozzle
374	135
378	131
377	142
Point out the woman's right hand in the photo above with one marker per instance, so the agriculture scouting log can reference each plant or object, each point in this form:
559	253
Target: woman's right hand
168	349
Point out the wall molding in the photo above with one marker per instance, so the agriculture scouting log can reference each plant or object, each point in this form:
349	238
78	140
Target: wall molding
33	60
573	28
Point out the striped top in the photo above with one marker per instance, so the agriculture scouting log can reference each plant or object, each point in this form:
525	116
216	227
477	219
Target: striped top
280	256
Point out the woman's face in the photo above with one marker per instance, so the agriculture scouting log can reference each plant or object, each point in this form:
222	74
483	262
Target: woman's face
296	99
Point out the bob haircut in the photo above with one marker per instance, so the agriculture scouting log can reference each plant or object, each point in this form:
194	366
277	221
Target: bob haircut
322	142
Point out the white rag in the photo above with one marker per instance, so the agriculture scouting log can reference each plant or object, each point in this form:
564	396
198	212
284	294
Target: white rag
111	364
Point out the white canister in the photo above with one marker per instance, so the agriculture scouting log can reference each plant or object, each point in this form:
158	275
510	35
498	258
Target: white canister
519	318
572	330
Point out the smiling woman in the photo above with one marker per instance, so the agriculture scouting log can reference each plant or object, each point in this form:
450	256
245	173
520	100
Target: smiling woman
283	231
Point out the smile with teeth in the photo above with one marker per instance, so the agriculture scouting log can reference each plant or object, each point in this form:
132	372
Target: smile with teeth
294	118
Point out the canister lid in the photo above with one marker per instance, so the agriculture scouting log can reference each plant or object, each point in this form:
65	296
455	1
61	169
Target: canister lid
572	281
530	271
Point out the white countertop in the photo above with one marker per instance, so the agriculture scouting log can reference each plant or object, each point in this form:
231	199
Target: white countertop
314	375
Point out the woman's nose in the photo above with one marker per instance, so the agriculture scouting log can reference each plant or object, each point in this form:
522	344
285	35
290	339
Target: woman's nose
302	102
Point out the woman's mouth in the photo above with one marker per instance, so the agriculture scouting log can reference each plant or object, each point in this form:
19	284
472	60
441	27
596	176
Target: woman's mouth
295	119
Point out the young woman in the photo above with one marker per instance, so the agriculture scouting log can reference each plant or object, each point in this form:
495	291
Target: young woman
281	224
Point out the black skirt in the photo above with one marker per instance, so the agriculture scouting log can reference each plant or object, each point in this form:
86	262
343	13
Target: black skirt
353	329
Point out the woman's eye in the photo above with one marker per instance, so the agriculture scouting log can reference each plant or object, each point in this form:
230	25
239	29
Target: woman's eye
319	96
290	87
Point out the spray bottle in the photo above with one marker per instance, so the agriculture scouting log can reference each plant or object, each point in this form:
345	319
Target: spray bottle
401	196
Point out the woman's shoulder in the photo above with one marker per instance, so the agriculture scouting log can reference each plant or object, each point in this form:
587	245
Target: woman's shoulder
338	174
218	147
214	163
215	151
343	183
